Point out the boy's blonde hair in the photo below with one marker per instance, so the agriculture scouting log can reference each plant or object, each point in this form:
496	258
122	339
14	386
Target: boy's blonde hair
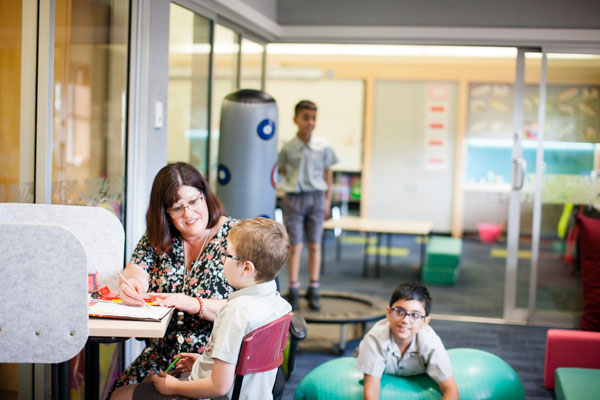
262	241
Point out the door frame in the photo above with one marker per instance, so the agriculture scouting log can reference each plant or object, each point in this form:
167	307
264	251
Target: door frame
510	310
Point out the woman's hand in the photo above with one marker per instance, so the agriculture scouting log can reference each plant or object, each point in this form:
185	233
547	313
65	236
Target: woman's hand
180	301
138	278
186	361
165	383
132	296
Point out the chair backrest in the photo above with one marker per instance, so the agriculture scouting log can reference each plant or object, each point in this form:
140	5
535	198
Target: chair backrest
262	349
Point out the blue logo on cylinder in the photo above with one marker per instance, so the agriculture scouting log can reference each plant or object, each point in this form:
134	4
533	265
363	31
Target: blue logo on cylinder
266	129
223	175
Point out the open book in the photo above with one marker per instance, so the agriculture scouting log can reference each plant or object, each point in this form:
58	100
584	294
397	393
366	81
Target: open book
111	309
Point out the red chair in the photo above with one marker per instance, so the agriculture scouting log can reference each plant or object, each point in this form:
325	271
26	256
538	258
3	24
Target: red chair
262	350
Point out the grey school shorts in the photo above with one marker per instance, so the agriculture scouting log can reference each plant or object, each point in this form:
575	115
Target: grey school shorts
303	215
146	391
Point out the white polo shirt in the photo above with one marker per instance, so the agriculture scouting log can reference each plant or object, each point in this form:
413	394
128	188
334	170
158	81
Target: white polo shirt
246	310
378	353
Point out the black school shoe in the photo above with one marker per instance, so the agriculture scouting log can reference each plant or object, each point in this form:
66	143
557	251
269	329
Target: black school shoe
293	298
312	295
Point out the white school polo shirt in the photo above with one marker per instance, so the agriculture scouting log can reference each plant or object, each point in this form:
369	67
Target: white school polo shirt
378	353
305	164
246	310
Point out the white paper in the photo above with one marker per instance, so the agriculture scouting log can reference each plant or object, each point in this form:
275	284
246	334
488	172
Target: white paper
111	309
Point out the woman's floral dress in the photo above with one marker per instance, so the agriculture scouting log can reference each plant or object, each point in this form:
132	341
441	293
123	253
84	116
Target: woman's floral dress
168	275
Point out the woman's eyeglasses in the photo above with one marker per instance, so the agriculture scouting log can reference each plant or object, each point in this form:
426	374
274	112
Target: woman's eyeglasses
224	256
195	205
400	313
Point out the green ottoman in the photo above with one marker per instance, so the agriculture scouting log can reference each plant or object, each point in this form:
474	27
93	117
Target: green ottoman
443	251
577	383
439	275
442	260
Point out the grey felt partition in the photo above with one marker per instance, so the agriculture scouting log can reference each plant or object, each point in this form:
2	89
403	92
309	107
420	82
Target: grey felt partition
47	251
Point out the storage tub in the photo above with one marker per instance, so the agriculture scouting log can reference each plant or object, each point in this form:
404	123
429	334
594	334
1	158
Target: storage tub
489	233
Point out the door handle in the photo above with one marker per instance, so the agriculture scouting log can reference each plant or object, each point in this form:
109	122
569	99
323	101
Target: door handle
519	168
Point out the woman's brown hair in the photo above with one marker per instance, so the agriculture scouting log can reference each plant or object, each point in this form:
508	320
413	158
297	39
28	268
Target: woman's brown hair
159	229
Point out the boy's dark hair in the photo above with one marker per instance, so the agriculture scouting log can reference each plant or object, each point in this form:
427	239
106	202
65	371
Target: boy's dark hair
412	291
304	105
264	242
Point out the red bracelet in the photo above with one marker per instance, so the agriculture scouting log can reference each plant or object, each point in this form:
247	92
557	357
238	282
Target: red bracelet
201	312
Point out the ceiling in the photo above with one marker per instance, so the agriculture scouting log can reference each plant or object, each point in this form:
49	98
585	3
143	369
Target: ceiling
477	22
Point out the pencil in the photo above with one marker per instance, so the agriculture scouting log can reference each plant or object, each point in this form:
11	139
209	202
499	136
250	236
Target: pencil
171	365
130	285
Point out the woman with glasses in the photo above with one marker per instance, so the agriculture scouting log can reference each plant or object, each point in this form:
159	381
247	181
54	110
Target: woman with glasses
179	258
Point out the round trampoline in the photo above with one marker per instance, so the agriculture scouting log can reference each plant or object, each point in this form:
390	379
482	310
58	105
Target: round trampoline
344	308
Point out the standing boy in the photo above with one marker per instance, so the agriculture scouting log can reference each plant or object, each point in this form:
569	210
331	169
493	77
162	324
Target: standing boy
404	344
256	250
305	165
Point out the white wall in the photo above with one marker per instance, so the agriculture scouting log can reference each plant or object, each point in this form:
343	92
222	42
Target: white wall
339	116
402	184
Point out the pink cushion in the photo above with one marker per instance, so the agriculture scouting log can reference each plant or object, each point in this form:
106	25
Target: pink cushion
570	348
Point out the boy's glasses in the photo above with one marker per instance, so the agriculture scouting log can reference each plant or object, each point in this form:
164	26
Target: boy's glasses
224	255
195	205
400	313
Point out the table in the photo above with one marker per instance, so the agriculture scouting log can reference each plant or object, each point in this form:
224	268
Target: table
111	330
104	330
381	226
112	327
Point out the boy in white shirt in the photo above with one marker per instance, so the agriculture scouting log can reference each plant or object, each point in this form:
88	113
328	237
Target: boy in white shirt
404	344
256	251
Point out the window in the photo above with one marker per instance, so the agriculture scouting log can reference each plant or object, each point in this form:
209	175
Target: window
189	78
90	98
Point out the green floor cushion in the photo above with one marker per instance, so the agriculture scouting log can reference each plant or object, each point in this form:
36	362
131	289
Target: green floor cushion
479	375
577	384
443	251
439	275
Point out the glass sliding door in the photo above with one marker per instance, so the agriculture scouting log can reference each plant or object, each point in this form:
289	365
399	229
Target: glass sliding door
189	85
89	119
569	184
226	67
555	164
522	221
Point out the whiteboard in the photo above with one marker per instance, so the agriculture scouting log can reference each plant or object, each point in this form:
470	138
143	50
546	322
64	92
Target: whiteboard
339	116
401	185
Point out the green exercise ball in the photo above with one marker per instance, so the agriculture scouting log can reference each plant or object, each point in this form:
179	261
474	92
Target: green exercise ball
479	375
338	379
